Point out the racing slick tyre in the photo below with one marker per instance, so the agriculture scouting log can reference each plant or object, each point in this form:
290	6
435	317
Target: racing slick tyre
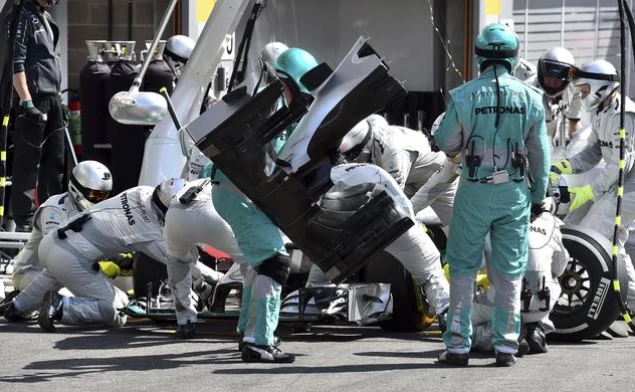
147	270
409	306
588	305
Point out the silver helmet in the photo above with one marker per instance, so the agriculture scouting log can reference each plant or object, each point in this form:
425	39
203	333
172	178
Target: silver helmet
164	193
437	123
353	144
269	55
602	78
555	63
177	51
90	182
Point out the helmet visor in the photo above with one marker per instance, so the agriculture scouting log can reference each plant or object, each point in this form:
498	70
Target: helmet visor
94	196
554	69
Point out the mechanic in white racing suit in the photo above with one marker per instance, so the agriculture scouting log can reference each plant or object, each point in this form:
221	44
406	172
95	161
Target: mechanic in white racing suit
593	205
408	157
548	259
192	219
562	101
89	182
131	221
414	249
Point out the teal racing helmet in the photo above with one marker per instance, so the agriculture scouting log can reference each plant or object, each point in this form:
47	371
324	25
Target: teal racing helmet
295	63
496	44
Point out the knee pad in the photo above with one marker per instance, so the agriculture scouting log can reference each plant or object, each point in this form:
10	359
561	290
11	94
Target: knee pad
277	268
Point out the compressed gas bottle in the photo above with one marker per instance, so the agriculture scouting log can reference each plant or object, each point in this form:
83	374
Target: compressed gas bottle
159	73
93	90
127	140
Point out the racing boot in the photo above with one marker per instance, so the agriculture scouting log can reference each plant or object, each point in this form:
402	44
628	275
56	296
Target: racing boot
523	346
536	338
447	358
187	331
8	300
205	293
50	311
442	319
267	354
241	344
12	314
631	324
24	228
505	359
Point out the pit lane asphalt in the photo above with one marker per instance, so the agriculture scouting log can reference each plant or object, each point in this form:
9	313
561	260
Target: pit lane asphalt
146	356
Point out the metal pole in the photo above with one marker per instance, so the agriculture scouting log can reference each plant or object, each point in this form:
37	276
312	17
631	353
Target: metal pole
629	57
71	148
597	29
164	22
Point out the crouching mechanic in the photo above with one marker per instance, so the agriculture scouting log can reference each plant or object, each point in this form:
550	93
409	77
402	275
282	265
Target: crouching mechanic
408	157
90	182
192	219
547	260
131	221
414	249
594	204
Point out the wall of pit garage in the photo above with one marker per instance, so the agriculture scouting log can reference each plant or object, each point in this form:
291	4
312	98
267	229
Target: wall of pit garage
110	20
400	30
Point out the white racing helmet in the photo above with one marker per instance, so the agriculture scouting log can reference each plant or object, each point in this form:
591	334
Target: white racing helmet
602	78
177	52
89	182
555	63
355	145
270	53
375	120
437	123
164	193
354	142
558	195
549	204
267	59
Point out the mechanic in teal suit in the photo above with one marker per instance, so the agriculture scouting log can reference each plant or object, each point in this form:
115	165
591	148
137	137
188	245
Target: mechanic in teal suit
497	123
261	243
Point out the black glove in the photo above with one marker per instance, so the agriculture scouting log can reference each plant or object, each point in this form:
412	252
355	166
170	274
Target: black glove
30	112
537	209
125	260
